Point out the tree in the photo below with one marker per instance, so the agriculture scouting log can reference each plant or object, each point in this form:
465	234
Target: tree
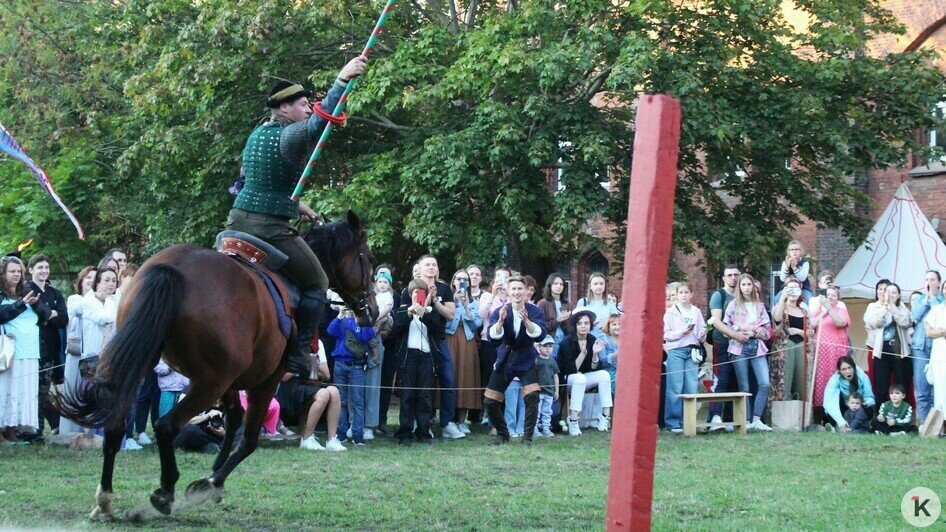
464	112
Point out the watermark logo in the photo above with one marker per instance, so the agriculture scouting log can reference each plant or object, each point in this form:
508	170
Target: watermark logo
920	507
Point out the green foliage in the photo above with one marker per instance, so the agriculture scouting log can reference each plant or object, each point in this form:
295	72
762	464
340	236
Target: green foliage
139	111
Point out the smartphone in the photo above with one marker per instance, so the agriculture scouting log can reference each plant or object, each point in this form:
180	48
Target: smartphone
421	298
464	284
794	291
501	278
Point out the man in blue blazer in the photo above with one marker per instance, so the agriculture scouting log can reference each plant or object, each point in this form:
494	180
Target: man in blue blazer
515	327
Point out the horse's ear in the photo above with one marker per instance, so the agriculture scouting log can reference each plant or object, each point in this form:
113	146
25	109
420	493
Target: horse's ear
353	220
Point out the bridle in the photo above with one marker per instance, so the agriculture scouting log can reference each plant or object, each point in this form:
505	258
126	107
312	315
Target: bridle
363	303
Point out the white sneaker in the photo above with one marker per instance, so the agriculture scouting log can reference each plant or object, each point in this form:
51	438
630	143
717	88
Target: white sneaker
452	432
131	445
898	433
760	426
514	435
143	439
717	424
676	431
334	445
573	429
604	423
311	444
464	428
369	434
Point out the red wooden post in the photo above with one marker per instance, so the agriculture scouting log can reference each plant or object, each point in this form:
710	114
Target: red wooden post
646	261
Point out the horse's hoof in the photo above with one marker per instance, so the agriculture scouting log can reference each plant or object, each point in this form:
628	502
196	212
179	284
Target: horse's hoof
162	502
100	514
202	490
103	505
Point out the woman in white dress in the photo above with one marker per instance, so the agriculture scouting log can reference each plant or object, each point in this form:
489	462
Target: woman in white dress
20	313
82	285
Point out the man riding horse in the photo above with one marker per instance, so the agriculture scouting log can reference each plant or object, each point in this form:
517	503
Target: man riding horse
273	159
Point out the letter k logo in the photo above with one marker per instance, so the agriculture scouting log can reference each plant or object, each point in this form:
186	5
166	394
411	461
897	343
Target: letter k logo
920	506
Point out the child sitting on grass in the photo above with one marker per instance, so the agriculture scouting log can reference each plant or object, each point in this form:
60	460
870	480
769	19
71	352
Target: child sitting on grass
856	417
895	417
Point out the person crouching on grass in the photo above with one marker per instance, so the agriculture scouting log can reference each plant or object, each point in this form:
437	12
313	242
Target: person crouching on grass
515	327
414	323
856	417
895	416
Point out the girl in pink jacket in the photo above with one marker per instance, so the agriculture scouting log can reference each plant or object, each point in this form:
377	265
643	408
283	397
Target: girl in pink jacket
747	317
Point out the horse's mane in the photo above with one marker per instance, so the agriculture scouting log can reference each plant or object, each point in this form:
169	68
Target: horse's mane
336	235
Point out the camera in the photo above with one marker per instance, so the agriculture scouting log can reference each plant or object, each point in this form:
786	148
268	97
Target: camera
216	419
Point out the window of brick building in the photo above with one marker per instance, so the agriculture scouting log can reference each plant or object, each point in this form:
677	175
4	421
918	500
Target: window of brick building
936	138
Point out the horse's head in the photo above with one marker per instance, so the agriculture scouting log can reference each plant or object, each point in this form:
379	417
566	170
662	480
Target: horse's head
342	248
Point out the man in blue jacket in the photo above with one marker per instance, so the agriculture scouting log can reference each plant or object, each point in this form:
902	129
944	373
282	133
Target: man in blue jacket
516	327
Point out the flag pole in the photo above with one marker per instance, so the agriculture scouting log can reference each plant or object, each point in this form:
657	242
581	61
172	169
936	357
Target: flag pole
340	106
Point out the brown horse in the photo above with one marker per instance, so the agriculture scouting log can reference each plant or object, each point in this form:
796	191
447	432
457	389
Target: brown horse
212	320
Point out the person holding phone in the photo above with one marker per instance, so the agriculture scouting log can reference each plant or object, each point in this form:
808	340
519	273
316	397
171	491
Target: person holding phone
891	347
747	319
489	303
21	312
792	313
461	338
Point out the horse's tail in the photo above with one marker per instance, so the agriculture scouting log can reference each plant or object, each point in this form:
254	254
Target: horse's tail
134	350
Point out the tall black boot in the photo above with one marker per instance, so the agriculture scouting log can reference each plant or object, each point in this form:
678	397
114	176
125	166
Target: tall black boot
532	415
494	409
308	316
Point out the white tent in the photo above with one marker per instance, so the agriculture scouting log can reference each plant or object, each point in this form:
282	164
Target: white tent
901	247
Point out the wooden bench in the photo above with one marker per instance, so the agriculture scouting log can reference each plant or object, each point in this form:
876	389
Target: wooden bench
691	403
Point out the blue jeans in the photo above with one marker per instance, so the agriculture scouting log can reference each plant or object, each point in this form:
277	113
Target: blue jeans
350	380
760	368
515	412
922	389
448	396
373	390
681	378
545	412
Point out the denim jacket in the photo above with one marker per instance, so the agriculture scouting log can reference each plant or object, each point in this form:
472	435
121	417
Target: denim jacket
919	312
471	319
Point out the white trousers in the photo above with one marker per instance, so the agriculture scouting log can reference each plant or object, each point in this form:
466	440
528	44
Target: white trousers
579	382
938	369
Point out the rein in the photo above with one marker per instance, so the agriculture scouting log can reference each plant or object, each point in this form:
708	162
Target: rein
362	303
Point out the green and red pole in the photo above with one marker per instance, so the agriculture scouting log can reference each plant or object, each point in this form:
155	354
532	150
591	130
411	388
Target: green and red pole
340	106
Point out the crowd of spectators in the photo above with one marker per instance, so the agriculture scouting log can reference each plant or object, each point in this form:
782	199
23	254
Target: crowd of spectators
496	349
800	349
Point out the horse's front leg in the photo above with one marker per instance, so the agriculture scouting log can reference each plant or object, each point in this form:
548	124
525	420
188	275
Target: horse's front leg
103	495
200	397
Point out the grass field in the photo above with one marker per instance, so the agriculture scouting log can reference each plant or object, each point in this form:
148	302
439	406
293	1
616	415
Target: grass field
718	482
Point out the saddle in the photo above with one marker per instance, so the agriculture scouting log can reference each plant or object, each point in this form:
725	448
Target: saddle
263	259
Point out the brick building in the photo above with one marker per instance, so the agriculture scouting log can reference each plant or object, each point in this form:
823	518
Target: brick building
925	22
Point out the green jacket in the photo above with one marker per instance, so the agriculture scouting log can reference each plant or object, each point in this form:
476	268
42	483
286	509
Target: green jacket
274	158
